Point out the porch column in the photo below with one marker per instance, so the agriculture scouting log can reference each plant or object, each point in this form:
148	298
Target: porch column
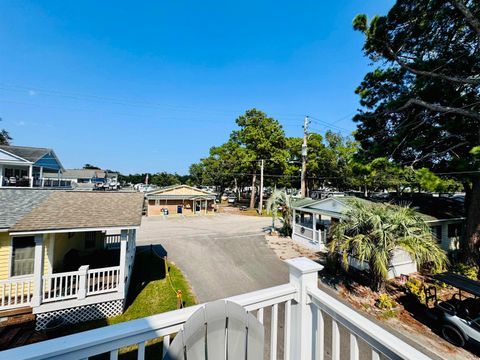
30	175
314	228
206	206
294	221
38	271
123	257
445	241
1	175
303	275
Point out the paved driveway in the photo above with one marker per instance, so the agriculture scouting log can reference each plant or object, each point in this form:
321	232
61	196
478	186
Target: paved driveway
221	255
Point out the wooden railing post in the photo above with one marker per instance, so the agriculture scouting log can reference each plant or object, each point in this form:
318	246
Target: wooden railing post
123	258
82	281
303	275
38	271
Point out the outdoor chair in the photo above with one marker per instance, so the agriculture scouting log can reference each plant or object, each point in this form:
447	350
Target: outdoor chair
219	330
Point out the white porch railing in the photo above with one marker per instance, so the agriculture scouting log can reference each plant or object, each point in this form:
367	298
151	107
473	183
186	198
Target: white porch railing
55	183
60	286
301	321
16	293
111	241
79	284
102	280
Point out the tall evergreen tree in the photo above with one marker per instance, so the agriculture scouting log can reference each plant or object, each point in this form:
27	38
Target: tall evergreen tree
421	103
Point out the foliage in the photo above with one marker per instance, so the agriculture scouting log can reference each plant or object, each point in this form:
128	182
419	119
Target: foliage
261	137
280	199
5	137
420	103
385	302
91	167
470	271
159	179
415	288
372	232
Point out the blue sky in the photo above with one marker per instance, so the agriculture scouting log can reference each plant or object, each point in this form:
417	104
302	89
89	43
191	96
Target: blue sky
152	85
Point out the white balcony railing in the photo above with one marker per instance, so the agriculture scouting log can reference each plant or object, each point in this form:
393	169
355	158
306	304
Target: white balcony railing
60	286
111	241
102	280
16	293
301	323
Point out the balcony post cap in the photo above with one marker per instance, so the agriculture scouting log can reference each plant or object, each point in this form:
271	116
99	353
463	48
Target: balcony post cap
304	265
84	268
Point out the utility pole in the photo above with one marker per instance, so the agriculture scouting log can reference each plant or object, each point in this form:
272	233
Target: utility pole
303	189
260	205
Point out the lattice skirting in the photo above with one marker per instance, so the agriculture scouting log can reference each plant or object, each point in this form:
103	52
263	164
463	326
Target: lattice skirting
81	313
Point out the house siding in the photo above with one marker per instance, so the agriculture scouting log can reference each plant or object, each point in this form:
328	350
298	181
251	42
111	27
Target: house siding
4	255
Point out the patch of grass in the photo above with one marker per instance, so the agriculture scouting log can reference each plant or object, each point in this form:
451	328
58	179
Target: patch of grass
150	292
388	314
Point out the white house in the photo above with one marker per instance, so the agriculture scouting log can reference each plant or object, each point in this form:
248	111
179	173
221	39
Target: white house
66	253
313	218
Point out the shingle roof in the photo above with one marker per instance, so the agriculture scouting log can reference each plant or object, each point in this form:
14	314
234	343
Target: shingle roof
429	207
16	203
80	174
76	209
28	153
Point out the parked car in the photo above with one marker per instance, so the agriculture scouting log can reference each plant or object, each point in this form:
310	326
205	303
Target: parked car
232	199
458	317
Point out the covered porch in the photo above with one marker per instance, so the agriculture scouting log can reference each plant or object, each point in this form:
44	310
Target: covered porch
61	270
311	228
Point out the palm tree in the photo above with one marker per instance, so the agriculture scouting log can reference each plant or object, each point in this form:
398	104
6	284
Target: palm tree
372	232
281	200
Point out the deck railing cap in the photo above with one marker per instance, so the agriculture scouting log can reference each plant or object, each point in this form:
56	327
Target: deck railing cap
304	265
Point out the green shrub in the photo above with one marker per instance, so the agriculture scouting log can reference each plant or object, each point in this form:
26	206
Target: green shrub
470	271
385	302
388	314
414	287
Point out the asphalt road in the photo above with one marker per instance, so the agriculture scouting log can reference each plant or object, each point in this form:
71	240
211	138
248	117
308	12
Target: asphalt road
221	255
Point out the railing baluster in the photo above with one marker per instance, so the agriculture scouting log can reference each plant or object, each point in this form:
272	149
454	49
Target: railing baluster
354	353
16	293
335	340
320	335
273	332
114	354
166	344
141	351
287	330
375	354
260	315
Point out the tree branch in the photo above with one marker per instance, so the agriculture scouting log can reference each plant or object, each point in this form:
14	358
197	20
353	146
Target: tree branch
470	81
440	108
471	19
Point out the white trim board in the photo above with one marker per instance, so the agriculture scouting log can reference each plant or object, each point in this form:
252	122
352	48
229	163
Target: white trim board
56	231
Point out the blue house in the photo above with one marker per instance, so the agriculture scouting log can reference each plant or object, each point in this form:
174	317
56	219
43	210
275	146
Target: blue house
23	166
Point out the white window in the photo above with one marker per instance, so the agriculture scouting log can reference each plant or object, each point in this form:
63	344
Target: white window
23	255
